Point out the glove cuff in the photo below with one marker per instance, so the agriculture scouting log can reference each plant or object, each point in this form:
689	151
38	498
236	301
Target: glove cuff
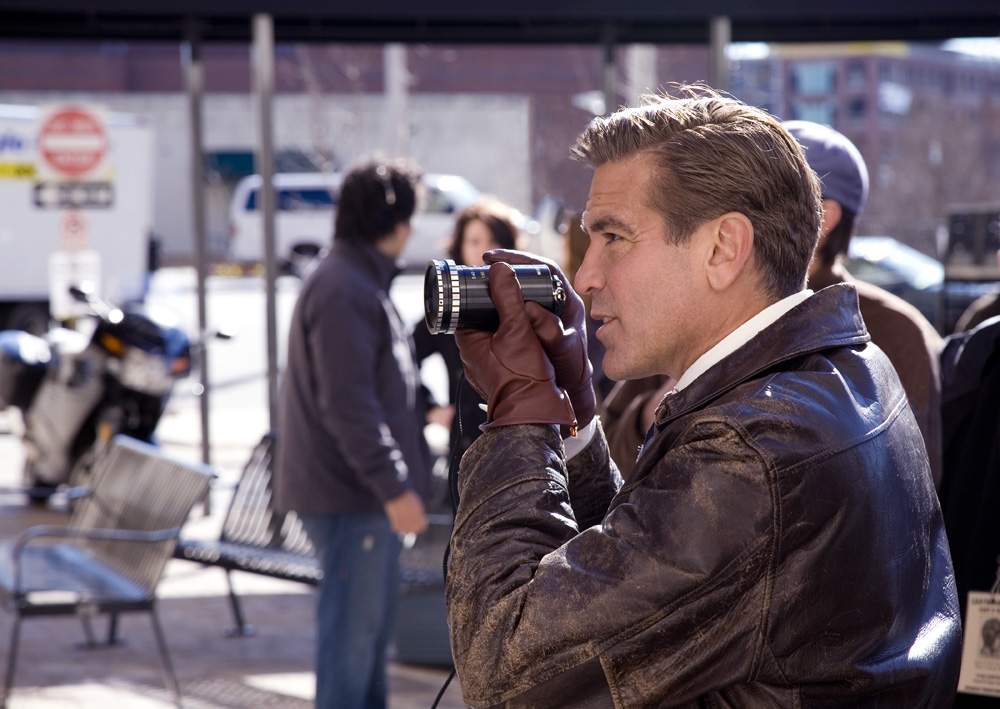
540	403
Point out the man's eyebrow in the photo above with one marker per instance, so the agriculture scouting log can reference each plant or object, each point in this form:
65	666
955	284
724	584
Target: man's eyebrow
608	223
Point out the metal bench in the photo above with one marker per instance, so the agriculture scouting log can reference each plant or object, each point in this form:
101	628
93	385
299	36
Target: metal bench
110	557
257	539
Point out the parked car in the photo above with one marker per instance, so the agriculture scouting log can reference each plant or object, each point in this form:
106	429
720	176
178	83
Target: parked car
306	205
915	277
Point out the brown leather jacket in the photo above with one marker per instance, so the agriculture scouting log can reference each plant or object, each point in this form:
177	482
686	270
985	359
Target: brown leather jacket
779	544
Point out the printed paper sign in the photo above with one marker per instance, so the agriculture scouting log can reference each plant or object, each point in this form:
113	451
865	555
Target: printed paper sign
981	649
72	268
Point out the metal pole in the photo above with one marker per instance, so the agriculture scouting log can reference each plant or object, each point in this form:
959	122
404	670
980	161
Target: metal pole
263	82
610	72
195	79
397	111
720	34
640	71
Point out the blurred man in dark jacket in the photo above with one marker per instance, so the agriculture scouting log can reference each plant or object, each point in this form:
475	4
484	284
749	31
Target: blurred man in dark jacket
908	340
351	458
779	542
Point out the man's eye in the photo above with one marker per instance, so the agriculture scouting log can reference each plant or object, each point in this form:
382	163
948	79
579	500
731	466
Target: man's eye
611	238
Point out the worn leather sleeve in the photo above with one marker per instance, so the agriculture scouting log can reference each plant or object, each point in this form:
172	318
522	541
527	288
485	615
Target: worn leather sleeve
665	597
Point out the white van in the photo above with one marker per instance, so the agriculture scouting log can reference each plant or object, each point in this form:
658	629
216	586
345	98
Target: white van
306	205
304	218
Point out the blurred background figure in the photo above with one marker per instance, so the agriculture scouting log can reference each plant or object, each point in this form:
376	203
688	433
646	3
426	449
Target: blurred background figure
627	413
983	308
908	339
352	461
488	224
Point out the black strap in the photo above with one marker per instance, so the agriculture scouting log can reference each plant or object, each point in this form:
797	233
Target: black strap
453	494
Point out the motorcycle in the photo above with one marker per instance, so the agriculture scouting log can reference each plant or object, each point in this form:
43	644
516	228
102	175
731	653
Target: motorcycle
75	391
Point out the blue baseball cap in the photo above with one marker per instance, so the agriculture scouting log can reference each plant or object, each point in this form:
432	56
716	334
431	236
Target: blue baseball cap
838	163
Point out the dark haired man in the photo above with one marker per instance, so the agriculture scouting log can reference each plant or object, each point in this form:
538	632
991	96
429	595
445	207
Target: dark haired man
779	541
351	458
908	340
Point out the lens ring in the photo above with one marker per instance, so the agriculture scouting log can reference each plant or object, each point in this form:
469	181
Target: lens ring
440	266
456	297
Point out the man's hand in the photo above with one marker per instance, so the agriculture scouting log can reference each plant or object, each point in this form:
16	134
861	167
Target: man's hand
509	367
564	338
406	513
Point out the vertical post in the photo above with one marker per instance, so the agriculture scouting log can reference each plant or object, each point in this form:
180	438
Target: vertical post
195	81
610	71
720	34
396	94
263	83
640	71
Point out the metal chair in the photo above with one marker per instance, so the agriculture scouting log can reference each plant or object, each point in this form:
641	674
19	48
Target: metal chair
111	556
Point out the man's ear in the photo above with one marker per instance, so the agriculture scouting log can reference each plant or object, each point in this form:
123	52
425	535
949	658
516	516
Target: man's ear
832	214
731	249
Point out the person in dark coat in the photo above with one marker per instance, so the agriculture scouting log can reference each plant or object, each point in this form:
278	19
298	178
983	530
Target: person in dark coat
779	542
483	226
898	328
351	460
970	493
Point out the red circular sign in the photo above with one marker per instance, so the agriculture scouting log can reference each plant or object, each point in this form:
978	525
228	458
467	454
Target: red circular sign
72	141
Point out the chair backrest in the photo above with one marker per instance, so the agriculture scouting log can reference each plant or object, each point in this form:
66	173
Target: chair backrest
251	518
139	488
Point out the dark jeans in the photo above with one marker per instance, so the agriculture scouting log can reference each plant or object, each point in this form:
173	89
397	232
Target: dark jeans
356	607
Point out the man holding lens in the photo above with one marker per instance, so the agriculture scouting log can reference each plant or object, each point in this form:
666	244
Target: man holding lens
779	542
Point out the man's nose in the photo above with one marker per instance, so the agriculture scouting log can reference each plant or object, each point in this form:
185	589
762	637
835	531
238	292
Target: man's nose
588	277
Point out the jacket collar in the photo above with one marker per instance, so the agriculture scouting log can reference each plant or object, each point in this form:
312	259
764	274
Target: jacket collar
376	264
830	318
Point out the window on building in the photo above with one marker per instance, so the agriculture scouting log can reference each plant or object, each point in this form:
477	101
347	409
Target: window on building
856	75
816	111
814	78
857	108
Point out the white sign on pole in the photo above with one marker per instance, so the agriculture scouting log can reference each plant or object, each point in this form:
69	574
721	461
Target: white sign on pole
72	268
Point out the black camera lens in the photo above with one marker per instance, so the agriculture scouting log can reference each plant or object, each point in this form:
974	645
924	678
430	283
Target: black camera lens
458	297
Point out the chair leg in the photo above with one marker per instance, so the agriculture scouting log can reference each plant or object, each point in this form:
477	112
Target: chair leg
88	632
112	629
8	682
241	629
170	679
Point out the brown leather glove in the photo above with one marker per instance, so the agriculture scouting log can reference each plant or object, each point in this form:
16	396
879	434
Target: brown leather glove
509	367
564	338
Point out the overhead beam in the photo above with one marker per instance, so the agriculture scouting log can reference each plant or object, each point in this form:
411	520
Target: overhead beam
528	30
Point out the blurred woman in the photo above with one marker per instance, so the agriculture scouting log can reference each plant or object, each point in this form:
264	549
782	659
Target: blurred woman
483	226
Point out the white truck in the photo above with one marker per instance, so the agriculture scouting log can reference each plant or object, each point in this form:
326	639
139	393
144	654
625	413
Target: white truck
76	199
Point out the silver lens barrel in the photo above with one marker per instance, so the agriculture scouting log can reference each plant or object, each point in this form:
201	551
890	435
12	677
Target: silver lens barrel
457	297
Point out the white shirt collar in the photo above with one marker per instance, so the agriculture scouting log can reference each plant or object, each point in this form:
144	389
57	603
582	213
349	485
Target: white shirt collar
740	336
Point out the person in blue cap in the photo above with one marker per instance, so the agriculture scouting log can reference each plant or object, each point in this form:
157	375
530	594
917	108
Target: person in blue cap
911	343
